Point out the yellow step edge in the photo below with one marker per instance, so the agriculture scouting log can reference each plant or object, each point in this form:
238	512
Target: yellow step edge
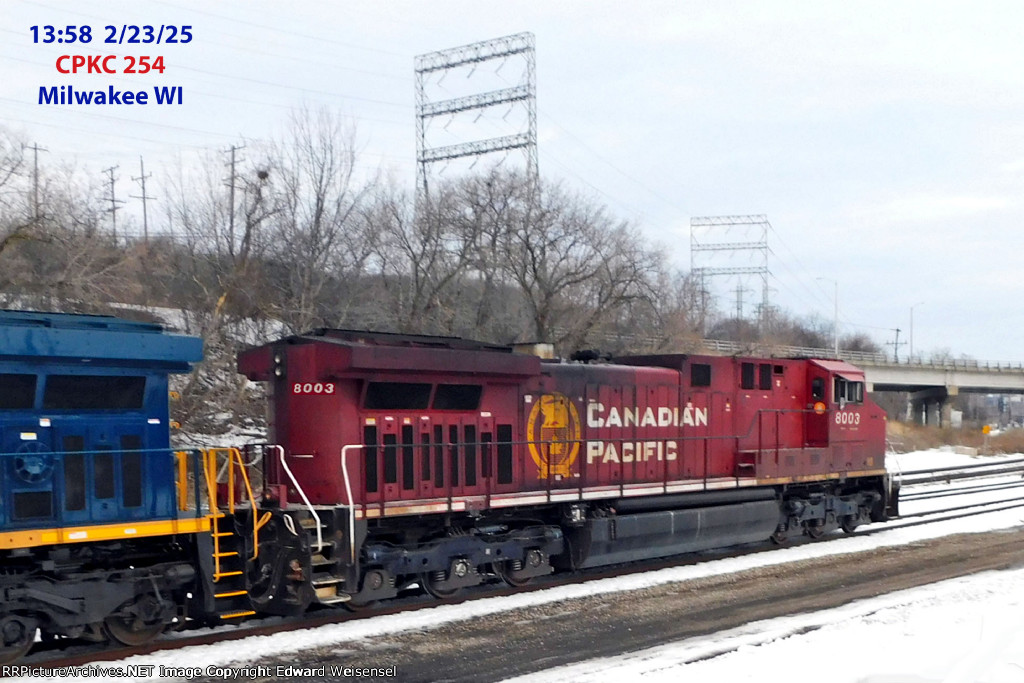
237	615
220	575
230	594
222	534
230	554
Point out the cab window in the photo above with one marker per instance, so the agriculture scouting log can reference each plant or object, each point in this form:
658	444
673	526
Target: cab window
848	392
818	389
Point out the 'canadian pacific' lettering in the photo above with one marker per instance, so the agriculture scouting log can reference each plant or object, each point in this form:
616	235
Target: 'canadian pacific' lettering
626	451
631	451
598	416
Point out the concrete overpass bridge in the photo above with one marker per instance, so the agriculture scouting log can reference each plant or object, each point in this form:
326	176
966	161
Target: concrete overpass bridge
930	383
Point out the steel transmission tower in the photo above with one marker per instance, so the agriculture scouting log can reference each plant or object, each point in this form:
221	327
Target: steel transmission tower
431	70
731	246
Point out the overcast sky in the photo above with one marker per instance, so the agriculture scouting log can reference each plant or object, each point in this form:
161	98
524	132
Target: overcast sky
884	141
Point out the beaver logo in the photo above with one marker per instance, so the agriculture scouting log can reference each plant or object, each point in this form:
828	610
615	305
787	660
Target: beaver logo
553	432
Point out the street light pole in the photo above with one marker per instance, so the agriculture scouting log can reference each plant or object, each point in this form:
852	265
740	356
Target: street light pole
912	329
835	312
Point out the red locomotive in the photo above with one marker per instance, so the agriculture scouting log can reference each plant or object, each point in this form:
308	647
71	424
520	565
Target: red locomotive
412	459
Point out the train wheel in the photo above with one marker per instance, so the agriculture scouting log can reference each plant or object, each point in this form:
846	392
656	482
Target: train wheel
815	529
137	622
780	536
503	570
18	636
850	523
432	584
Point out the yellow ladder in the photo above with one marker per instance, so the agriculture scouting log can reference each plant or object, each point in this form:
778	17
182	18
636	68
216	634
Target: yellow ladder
226	543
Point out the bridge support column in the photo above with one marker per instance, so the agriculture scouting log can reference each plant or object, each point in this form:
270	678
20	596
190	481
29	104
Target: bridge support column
915	411
931	406
946	415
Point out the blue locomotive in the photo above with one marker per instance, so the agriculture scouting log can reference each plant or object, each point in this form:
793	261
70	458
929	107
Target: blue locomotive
96	528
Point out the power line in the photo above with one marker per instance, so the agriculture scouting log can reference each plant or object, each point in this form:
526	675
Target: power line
654	193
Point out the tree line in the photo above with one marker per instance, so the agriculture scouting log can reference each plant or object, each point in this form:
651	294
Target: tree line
298	239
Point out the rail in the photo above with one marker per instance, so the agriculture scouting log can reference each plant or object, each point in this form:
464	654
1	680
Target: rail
936	474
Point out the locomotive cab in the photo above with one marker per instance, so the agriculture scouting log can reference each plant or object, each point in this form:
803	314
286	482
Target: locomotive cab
842	416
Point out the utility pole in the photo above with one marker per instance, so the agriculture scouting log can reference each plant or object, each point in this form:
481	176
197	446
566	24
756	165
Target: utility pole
36	149
231	195
145	216
835	316
704	294
896	346
113	200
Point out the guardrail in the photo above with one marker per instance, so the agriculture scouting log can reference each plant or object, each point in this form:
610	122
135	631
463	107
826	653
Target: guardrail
858	357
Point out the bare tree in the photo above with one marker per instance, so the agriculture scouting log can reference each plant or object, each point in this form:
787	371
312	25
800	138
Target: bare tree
320	246
221	260
576	267
422	257
15	226
63	260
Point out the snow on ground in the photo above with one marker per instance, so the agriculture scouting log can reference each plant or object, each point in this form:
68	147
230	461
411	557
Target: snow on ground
941	457
966	630
943	609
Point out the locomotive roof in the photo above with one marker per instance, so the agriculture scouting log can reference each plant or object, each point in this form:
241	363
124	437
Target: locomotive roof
79	337
361	350
399	339
673	361
74	321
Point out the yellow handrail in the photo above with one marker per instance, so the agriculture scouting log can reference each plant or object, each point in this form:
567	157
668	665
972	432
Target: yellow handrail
182	461
234	458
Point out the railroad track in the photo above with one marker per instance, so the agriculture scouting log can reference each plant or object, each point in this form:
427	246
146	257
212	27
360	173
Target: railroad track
70	653
959	491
